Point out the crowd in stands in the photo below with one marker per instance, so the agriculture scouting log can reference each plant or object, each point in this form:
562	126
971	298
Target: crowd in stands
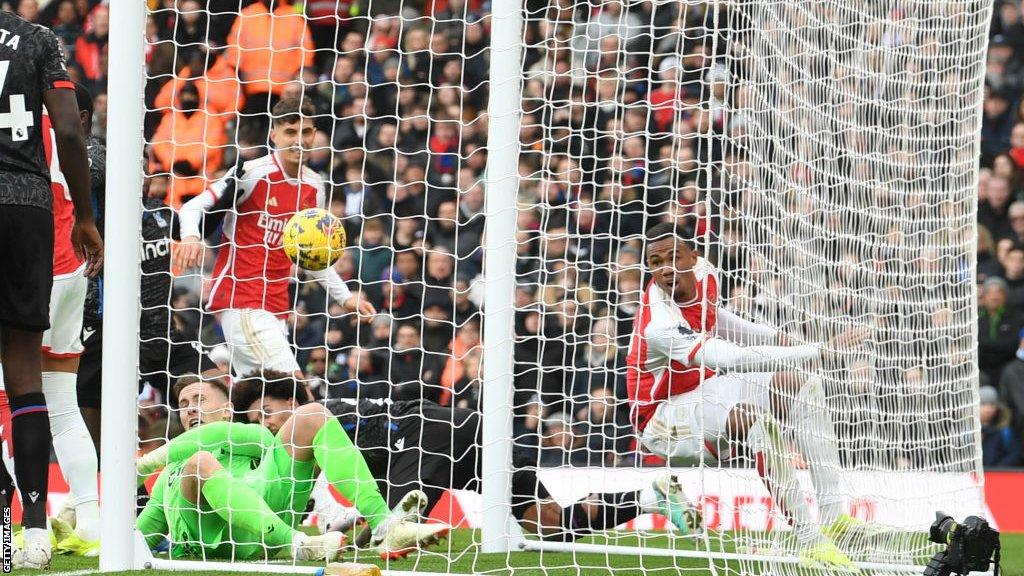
624	107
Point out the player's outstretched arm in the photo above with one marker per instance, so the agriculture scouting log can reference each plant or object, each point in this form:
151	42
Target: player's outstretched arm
243	439
735	328
340	293
62	107
188	253
683	345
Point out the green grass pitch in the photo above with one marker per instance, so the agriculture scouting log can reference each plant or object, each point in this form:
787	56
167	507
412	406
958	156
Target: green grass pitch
460	556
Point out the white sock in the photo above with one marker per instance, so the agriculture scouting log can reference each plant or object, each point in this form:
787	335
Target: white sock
37	537
75	451
649	500
815	436
776	470
324	504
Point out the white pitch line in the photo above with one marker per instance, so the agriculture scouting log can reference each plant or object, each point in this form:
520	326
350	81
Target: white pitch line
75	572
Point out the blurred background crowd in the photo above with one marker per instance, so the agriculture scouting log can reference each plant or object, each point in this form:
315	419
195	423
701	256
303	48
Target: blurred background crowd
625	109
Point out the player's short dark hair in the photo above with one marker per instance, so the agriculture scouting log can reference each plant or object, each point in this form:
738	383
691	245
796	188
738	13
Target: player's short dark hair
84	99
291	110
215	381
682	233
280	385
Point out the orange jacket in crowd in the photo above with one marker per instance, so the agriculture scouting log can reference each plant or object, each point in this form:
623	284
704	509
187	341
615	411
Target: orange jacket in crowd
269	50
198	140
219	90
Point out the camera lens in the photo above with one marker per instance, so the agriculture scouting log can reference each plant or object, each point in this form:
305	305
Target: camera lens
941	530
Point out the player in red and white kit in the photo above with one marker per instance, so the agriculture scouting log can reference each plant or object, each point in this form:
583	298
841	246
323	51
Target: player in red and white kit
252	273
61	348
682	403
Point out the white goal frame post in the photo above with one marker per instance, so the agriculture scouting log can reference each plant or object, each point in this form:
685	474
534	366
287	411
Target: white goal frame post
122	547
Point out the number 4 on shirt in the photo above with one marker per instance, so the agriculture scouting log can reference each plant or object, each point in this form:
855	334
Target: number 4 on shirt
18	119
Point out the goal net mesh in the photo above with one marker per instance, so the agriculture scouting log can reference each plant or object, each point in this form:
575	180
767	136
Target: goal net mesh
822	154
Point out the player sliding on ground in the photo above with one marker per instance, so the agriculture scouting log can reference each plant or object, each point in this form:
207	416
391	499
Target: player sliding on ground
440	450
232	490
681	405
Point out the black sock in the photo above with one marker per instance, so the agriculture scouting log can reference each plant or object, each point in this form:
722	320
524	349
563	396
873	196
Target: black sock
616	508
6	487
613	509
30	428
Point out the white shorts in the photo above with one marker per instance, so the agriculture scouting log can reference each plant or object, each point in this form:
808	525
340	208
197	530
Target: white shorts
257	341
690	424
67	303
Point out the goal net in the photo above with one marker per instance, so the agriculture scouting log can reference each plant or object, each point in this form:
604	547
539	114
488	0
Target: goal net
498	168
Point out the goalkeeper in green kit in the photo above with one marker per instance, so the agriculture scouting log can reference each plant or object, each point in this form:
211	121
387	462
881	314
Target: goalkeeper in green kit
231	490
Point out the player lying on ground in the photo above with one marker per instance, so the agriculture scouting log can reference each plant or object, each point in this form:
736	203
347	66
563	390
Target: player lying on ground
682	405
410	445
236	490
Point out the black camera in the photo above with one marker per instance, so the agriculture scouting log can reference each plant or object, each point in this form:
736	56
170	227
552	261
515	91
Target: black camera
970	546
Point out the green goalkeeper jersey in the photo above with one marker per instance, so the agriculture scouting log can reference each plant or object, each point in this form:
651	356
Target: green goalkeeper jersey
248	452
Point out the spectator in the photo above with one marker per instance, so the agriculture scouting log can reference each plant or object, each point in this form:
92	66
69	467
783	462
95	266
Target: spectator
440	269
67	27
526	430
465	310
998	328
29	10
269	44
992	213
1011	386
1013	264
364	377
559	443
321	373
467	339
91	48
467	389
188	143
398	296
1015	214
437	323
605	426
1000	444
599	363
988	265
414	374
997	124
215	81
373	255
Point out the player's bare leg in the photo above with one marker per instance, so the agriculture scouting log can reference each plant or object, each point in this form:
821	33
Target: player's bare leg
760	431
21	356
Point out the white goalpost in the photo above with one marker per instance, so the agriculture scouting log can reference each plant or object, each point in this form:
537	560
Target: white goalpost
497	166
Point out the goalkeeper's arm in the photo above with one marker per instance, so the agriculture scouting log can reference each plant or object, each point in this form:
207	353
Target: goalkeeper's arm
240	439
152	522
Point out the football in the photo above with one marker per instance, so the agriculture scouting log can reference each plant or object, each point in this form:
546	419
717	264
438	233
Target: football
313	239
